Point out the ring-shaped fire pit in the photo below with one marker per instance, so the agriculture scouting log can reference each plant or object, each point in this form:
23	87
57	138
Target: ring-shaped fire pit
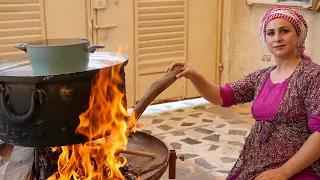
148	168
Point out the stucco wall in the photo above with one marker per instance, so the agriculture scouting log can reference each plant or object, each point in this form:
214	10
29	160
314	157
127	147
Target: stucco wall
242	46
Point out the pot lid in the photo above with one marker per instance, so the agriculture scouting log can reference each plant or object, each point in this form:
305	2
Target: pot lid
21	67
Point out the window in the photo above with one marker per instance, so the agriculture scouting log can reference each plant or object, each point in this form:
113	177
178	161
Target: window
310	4
295	1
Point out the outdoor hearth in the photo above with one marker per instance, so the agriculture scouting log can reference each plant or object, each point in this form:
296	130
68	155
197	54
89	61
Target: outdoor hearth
41	163
83	131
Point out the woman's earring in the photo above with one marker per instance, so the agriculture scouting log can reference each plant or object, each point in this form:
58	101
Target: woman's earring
265	57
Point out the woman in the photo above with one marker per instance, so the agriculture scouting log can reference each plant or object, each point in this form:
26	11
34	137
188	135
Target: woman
285	141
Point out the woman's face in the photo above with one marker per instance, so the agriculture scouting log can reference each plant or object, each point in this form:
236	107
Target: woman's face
281	38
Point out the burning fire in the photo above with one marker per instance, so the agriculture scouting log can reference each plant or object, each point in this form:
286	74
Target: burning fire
105	125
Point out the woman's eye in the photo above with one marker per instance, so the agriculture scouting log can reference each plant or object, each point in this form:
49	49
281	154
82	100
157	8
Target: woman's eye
284	31
270	33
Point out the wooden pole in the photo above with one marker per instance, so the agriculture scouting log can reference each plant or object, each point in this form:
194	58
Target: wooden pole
20	164
138	153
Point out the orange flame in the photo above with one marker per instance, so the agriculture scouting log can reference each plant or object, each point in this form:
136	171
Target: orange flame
105	125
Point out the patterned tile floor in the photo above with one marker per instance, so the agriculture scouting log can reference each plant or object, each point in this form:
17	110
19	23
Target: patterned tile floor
209	137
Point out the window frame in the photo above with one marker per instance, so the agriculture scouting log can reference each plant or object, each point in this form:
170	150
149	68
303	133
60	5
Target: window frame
311	5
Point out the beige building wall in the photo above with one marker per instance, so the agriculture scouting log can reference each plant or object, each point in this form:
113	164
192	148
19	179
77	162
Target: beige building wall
65	18
241	43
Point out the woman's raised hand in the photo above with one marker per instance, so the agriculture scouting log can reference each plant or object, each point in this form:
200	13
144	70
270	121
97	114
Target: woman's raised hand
186	72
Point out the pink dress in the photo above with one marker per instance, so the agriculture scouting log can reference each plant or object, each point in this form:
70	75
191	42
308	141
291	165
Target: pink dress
265	107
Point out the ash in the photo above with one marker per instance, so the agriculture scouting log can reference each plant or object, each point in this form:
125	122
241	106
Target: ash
128	172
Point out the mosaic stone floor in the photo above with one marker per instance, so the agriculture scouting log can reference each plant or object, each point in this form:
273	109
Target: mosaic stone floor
209	137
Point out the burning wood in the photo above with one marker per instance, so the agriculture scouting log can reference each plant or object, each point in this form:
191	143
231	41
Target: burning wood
46	165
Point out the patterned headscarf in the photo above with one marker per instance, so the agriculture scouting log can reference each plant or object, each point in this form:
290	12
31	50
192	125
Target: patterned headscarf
292	16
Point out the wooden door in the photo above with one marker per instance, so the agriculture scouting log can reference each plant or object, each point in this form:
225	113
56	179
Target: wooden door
174	30
160	39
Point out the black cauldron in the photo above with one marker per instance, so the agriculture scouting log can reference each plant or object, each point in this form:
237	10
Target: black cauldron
43	111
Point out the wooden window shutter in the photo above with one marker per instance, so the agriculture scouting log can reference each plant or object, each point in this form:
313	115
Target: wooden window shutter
20	22
160	34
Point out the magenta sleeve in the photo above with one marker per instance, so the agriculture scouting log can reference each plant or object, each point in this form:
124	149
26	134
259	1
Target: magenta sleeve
227	96
314	123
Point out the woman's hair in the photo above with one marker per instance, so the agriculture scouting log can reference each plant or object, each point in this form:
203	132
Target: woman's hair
292	16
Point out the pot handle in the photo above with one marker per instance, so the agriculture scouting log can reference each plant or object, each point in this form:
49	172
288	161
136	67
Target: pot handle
20	118
22	47
154	90
93	48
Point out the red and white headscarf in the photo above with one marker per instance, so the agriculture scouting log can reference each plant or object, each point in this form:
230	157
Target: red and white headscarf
292	16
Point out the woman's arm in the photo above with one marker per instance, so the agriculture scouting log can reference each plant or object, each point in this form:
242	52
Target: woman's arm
307	154
208	90
241	91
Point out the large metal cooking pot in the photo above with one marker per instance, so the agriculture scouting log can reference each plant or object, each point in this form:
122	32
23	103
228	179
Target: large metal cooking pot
43	111
59	56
